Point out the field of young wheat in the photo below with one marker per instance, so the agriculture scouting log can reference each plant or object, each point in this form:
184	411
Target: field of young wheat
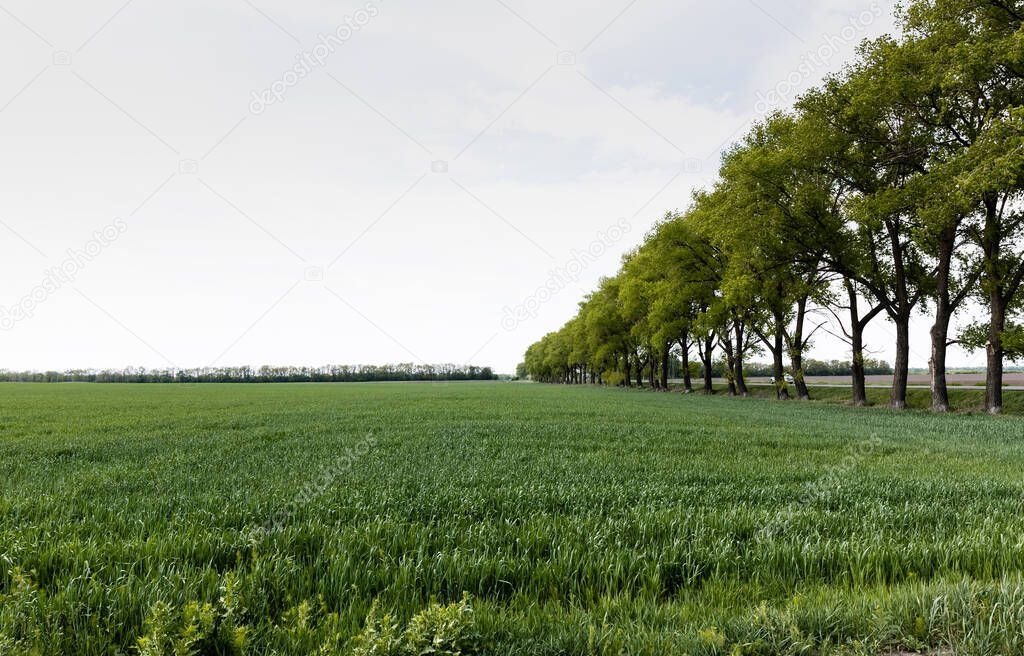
500	519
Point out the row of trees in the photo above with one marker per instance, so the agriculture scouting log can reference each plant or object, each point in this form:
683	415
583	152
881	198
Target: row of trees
812	367
266	374
892	189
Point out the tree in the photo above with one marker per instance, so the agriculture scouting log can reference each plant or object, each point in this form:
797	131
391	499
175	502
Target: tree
729	312
971	49
777	219
679	259
878	150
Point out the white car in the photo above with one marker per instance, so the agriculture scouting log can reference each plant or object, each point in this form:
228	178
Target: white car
788	378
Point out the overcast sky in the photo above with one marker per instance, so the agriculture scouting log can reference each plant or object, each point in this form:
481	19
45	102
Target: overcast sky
308	182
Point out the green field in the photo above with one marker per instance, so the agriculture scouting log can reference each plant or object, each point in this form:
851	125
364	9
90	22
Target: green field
577	521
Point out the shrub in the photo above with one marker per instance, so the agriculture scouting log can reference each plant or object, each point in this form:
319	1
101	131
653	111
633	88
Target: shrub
436	630
196	629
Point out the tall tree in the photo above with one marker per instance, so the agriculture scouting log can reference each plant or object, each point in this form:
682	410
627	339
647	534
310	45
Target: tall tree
879	150
778	221
971	56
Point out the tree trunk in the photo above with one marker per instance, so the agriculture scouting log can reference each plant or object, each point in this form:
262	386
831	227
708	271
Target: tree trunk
937	362
898	397
802	392
857	326
730	364
775	346
629	373
995	356
741	382
664	367
706	353
778	368
900	313
796	352
943	314
992	248
860	391
687	382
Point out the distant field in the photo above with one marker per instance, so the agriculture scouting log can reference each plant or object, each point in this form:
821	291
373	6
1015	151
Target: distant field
261	519
962	399
971	380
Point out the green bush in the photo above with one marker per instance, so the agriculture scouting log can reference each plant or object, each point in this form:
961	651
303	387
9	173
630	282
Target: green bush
437	630
196	628
613	378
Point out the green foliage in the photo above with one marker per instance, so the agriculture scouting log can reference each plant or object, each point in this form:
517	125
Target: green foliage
380	636
975	337
197	628
436	630
613	378
1013	341
443	630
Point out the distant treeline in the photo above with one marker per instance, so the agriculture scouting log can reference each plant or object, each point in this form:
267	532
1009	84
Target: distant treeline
266	374
822	368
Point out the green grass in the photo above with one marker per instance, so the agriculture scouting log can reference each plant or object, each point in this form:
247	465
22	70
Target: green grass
578	520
